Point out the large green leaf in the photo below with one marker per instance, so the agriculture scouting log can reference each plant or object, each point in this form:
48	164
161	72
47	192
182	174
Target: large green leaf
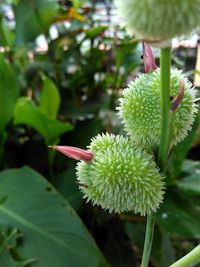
180	151
9	92
6	35
190	167
93	32
190	183
27	113
163	252
34	17
136	233
9	238
51	232
119	251
180	215
50	98
66	184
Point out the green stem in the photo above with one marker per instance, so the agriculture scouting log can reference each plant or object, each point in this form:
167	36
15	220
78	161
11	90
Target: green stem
165	67
148	240
191	259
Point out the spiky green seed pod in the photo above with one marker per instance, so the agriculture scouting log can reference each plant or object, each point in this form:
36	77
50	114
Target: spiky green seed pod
120	177
140	108
158	20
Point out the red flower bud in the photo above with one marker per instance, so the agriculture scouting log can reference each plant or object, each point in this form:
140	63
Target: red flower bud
149	60
74	152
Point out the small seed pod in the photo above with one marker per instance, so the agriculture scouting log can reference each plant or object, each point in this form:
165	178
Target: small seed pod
120	177
140	108
157	20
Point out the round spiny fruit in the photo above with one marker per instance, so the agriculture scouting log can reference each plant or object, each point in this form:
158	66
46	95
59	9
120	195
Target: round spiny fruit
140	109
120	177
157	20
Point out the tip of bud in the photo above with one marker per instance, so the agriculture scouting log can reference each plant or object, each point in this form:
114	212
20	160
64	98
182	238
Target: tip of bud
149	60
74	152
176	101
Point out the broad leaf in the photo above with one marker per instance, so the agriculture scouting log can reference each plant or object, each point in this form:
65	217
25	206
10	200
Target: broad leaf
9	91
50	98
67	185
51	231
190	183
117	248
168	252
136	233
93	32
180	151
163	252
6	35
6	260
34	17
179	215
190	167
27	113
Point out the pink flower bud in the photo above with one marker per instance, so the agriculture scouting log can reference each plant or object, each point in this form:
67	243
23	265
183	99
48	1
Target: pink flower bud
149	60
74	152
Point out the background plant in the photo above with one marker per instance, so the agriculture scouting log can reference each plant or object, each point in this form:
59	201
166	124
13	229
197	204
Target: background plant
67	93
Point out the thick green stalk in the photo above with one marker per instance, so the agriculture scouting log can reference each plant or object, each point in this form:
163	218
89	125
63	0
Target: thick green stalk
148	240
191	259
165	67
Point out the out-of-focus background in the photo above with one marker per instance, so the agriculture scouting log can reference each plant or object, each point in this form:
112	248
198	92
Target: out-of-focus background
63	66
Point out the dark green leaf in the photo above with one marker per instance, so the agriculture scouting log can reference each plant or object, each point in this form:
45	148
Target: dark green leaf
180	215
7	261
190	167
84	131
92	33
52	232
162	251
136	233
168	253
127	56
33	17
9	92
50	98
118	250
180	151
6	35
67	185
27	113
191	183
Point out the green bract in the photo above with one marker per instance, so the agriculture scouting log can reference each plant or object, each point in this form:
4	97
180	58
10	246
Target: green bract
120	177
140	109
157	20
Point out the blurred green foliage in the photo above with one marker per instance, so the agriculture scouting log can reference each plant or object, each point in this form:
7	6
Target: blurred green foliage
62	68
